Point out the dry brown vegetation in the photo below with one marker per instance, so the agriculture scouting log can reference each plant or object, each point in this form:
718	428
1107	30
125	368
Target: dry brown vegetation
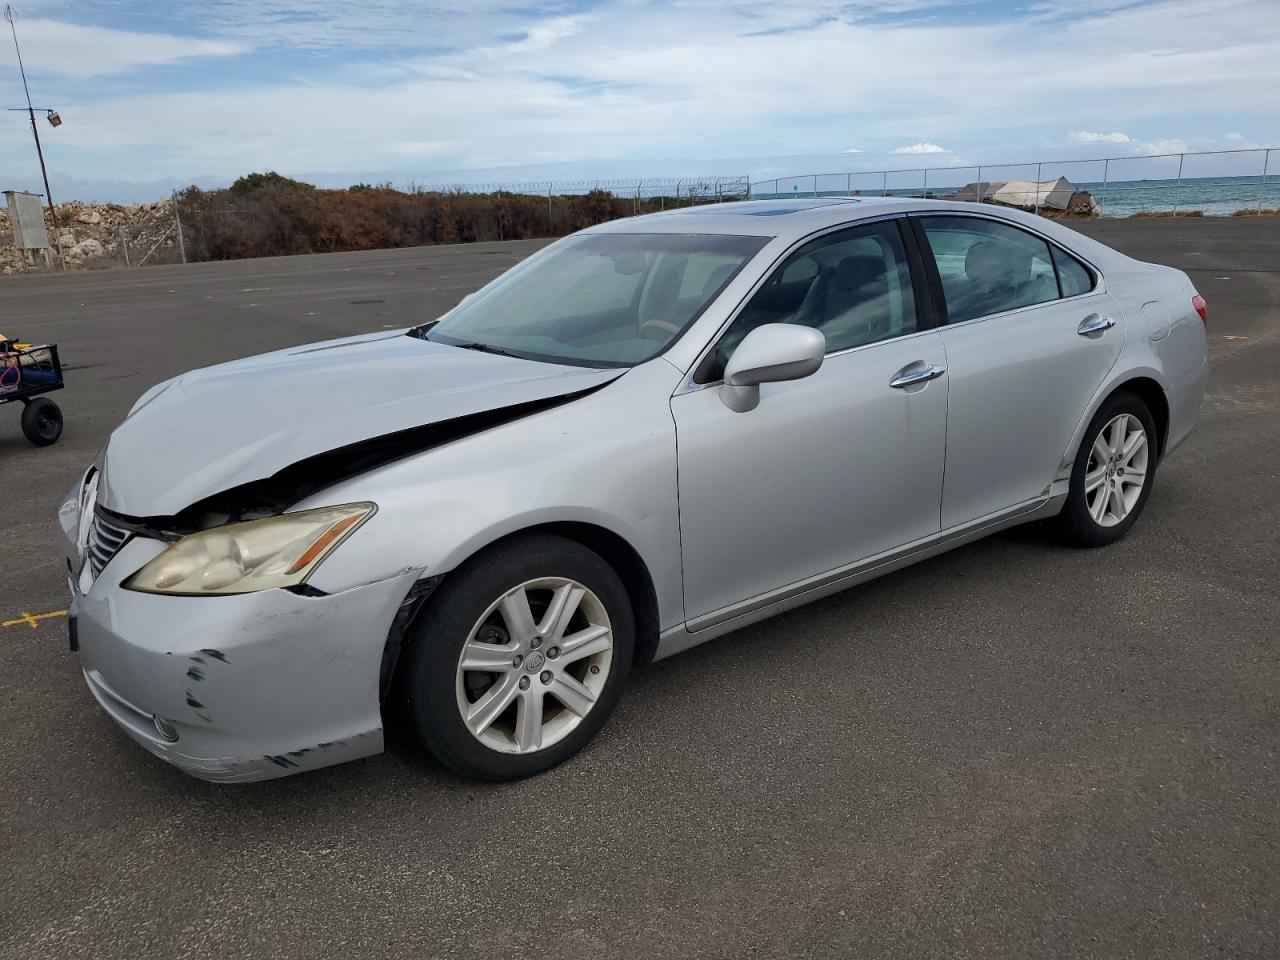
1255	212
269	215
1050	214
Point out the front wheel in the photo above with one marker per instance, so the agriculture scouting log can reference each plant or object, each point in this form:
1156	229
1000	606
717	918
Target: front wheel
519	659
1112	476
41	421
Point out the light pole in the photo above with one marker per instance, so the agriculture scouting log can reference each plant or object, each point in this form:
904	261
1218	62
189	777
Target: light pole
54	120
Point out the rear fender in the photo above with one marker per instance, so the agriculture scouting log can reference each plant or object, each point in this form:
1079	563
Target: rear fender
1115	380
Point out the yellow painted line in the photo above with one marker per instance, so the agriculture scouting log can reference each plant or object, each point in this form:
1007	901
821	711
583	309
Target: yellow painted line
32	620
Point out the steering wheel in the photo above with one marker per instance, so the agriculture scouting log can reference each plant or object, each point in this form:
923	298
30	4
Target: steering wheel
656	325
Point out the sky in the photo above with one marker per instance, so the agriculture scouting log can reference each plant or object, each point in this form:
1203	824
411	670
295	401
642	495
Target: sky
155	95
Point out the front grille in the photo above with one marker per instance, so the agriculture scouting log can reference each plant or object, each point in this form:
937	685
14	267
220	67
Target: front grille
103	542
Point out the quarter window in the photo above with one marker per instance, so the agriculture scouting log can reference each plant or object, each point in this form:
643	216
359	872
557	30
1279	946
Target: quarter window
1073	276
853	285
988	267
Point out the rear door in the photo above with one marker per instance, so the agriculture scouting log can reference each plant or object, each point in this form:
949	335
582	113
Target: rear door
1029	338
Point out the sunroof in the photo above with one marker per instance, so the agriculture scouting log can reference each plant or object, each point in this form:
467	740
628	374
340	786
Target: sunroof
768	208
776	212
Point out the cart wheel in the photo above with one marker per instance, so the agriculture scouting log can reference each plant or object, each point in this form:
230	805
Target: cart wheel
42	421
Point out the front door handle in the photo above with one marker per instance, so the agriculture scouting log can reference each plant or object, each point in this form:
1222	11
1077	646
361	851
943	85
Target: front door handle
1094	323
913	374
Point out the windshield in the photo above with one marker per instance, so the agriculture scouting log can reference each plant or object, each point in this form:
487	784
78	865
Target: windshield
612	299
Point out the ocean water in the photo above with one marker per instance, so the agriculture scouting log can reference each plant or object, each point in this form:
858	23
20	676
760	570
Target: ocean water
1212	196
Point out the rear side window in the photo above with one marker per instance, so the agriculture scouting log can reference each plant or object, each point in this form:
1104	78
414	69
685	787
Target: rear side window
988	267
1073	276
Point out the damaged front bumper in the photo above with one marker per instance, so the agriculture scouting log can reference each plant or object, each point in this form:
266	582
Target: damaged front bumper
236	688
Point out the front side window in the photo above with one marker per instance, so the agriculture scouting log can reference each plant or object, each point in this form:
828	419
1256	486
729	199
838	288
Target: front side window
610	299
853	285
988	267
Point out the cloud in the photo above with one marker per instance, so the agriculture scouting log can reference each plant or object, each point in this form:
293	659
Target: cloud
1092	136
1235	136
424	148
434	85
921	148
326	25
851	150
56	48
546	34
1164	146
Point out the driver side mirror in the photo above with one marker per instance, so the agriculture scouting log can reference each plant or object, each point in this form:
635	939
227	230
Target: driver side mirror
768	354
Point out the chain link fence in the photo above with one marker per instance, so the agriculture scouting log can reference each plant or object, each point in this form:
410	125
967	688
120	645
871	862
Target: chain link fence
1207	183
98	236
645	194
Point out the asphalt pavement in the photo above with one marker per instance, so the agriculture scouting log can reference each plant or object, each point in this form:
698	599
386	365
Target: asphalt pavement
1014	750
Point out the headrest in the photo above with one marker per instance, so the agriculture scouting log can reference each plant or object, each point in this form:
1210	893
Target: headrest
858	270
990	262
715	279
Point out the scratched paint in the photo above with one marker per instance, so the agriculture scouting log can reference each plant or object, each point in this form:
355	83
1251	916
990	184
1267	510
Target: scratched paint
32	620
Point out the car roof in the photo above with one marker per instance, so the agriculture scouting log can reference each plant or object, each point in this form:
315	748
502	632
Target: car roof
795	219
764	218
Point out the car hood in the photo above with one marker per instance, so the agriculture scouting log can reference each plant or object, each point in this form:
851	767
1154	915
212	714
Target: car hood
221	427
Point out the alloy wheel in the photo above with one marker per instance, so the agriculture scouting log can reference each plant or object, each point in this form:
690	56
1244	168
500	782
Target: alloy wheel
534	665
1117	470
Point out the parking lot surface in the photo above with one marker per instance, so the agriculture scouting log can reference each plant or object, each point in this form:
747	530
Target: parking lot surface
1014	750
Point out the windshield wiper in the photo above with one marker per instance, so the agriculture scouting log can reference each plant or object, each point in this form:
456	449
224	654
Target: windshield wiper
485	348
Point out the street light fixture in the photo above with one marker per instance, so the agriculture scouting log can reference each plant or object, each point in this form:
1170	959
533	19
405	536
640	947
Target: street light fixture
54	121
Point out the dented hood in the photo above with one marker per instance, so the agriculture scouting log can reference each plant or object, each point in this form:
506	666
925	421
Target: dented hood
236	423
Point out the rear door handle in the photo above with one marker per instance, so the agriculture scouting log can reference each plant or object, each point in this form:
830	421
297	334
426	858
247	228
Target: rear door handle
1094	324
912	374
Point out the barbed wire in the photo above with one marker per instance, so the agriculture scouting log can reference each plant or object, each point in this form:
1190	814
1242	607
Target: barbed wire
703	186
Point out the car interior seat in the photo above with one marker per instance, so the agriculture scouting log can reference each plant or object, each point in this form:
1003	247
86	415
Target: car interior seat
715	280
1000	278
849	303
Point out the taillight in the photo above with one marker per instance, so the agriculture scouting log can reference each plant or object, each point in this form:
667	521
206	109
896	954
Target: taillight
1202	308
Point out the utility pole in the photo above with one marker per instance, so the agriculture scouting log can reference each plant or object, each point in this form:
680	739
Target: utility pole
35	132
177	223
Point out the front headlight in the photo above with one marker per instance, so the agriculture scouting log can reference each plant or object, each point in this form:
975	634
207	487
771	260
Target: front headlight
256	555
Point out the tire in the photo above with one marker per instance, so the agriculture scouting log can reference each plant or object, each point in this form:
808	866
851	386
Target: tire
471	611
1087	522
42	421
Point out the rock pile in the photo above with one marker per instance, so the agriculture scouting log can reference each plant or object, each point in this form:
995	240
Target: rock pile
98	234
1082	204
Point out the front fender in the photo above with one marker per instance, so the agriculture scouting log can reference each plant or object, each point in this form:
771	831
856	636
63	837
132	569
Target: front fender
607	459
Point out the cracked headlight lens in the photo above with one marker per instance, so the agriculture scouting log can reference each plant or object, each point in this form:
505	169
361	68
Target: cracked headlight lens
255	555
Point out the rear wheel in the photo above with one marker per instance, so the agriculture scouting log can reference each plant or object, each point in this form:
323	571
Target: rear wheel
1112	476
519	659
41	421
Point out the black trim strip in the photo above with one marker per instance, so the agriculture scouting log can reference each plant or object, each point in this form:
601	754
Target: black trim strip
928	315
936	293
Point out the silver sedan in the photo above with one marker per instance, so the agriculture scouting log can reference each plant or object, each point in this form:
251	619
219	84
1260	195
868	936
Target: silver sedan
644	436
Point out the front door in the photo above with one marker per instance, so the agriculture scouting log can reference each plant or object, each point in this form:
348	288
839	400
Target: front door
828	470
